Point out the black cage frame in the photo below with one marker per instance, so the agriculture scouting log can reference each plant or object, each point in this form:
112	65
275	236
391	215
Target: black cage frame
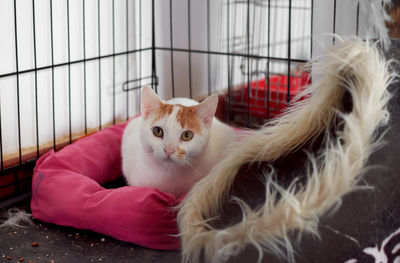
15	180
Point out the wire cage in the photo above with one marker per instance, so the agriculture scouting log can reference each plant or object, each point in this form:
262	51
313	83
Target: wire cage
71	67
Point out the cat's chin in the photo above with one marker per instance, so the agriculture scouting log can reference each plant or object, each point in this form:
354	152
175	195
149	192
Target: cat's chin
172	162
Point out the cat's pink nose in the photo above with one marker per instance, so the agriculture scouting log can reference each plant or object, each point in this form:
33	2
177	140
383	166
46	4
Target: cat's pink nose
169	151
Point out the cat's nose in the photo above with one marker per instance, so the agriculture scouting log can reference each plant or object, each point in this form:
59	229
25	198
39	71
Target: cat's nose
169	150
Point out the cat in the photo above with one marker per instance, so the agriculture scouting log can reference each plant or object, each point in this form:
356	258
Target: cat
173	144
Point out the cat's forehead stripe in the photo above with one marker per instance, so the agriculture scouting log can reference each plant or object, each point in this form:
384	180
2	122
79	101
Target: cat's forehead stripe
187	117
164	109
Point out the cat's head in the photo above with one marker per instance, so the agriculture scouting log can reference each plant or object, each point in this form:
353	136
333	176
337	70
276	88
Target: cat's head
175	133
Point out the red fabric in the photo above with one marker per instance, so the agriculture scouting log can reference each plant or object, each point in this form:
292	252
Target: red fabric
66	191
277	92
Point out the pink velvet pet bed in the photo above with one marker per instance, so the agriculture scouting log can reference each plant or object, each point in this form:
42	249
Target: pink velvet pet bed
66	191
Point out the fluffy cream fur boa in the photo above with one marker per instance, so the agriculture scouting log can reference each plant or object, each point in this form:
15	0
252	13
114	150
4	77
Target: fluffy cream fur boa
353	65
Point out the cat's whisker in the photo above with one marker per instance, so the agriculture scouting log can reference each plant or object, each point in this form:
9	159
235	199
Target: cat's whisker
188	162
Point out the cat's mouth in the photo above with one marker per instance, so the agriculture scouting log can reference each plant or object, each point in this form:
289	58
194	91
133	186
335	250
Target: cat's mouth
170	159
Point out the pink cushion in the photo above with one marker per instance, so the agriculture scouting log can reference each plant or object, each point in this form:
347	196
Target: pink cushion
66	191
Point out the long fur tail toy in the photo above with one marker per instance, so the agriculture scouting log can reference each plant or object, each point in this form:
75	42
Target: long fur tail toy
355	67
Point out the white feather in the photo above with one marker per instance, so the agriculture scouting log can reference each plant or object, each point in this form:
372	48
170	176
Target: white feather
377	17
16	218
355	66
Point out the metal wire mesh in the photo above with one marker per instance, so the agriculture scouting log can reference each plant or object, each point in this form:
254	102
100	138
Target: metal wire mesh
251	52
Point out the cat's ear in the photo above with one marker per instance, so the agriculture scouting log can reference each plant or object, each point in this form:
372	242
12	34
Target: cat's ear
150	101
206	109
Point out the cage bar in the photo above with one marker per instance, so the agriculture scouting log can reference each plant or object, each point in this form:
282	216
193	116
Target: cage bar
113	59
35	68
153	46
140	47
189	53
127	56
84	65
99	61
312	28
357	18
52	75
122	53
208	49
289	50
69	77
172	48
248	61
268	54
17	69
334	22
228	64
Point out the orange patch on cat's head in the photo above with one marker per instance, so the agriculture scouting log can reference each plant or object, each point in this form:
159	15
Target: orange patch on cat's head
180	153
188	118
163	110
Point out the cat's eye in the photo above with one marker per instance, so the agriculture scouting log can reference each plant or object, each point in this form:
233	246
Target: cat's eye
158	132
187	135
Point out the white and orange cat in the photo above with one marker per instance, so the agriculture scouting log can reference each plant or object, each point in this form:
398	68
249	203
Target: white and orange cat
173	144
